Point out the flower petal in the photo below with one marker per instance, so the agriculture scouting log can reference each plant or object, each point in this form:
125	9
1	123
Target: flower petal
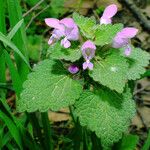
119	41
54	23
90	66
88	44
73	69
74	34
68	22
129	32
128	50
85	65
65	43
105	20
110	11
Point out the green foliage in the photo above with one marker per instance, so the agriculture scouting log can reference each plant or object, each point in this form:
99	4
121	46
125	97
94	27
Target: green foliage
106	113
31	2
57	8
86	25
137	61
72	54
6	41
147	142
111	71
34	47
15	29
49	86
12	128
128	142
17	84
15	15
104	34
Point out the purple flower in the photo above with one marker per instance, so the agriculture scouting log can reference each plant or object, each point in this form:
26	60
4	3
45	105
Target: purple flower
63	28
88	52
109	12
122	39
73	69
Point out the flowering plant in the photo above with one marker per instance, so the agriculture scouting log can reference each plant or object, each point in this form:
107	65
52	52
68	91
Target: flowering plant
88	67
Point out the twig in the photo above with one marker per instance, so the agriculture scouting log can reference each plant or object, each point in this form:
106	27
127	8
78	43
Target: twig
34	7
142	120
36	16
139	15
141	89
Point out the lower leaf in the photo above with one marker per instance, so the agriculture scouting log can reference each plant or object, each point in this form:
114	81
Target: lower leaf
48	87
106	113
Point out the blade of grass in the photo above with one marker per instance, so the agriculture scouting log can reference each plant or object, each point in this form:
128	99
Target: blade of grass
17	84
147	142
6	41
15	29
47	131
12	128
15	15
2	60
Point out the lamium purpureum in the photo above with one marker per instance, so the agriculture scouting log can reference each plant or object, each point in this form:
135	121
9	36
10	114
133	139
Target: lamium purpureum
90	73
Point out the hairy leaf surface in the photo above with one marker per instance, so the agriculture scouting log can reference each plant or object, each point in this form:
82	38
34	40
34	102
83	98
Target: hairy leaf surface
86	25
48	87
106	113
111	72
137	61
72	54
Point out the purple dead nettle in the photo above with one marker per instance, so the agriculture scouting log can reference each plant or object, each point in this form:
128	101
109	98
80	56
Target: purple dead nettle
122	39
88	52
73	69
63	28
109	12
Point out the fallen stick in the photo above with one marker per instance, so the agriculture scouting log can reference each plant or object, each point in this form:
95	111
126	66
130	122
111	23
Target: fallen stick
138	14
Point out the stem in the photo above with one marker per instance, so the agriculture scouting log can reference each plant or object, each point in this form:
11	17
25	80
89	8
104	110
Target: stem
96	145
36	127
47	131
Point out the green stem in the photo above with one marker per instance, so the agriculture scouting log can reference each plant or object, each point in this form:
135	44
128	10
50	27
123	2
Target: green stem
47	131
96	145
37	129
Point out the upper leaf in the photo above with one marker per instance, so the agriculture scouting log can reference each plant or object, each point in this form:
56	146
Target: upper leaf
72	54
106	113
49	86
86	25
111	71
105	33
138	59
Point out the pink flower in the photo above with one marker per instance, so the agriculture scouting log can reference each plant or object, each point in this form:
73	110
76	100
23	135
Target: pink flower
63	28
73	69
122	39
109	12
88	52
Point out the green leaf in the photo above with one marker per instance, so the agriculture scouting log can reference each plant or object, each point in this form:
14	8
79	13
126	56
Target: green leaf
34	47
15	29
138	59
128	142
6	41
147	142
17	84
105	33
12	128
146	74
111	72
106	113
49	86
86	25
72	54
57	8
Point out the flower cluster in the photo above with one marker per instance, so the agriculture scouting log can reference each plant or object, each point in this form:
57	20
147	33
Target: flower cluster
67	31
